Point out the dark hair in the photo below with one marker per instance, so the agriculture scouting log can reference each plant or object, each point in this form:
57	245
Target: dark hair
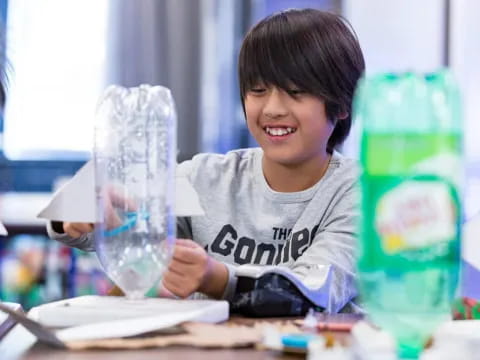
313	50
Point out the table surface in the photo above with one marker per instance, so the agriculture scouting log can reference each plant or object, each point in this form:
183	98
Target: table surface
21	344
42	352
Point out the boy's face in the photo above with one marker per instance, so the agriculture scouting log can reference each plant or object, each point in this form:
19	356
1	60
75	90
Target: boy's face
291	127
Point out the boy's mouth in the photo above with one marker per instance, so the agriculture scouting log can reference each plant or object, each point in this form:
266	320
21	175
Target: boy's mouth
279	131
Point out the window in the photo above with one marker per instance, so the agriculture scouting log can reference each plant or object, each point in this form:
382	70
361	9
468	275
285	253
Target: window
56	51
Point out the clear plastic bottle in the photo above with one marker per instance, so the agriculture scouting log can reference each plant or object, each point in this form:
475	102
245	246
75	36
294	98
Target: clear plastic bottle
411	152
135	151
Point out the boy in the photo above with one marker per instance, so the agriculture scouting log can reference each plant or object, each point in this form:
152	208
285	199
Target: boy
293	201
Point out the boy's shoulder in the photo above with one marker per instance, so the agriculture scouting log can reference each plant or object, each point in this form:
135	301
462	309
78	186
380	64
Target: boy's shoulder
344	169
344	163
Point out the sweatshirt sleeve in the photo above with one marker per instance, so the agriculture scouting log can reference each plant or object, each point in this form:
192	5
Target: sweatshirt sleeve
332	253
86	242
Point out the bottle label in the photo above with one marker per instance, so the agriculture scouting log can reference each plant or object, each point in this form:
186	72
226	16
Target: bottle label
415	214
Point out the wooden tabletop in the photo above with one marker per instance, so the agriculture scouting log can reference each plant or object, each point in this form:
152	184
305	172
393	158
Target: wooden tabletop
179	353
20	344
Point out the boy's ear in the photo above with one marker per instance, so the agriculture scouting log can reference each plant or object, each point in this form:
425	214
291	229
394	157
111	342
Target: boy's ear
342	115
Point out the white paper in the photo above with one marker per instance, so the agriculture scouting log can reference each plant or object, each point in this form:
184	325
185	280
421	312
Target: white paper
3	231
75	201
125	317
372	343
150	314
89	309
467	331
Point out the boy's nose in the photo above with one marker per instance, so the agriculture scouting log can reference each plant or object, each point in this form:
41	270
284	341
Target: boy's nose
274	106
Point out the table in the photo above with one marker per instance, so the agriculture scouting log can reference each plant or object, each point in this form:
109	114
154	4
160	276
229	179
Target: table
19	343
180	353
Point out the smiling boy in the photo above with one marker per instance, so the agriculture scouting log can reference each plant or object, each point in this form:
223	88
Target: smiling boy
292	201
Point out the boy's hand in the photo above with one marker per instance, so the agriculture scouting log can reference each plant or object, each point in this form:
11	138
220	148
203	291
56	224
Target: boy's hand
75	230
191	270
114	199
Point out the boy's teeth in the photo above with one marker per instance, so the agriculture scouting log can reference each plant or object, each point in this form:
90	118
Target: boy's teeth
279	131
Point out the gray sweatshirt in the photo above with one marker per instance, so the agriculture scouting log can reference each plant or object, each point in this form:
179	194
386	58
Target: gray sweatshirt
246	222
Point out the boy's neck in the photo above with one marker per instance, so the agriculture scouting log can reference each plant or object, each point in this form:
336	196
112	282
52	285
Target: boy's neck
294	178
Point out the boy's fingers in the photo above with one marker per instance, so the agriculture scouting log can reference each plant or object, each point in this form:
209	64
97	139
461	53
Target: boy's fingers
121	201
186	243
187	255
176	267
77	229
173	289
174	277
111	218
181	268
112	221
83	227
165	293
187	251
175	284
73	233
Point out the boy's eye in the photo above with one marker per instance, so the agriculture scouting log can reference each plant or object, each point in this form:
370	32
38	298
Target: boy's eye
295	92
258	90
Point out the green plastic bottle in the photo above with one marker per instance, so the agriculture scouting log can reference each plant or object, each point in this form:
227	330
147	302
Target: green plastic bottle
411	153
